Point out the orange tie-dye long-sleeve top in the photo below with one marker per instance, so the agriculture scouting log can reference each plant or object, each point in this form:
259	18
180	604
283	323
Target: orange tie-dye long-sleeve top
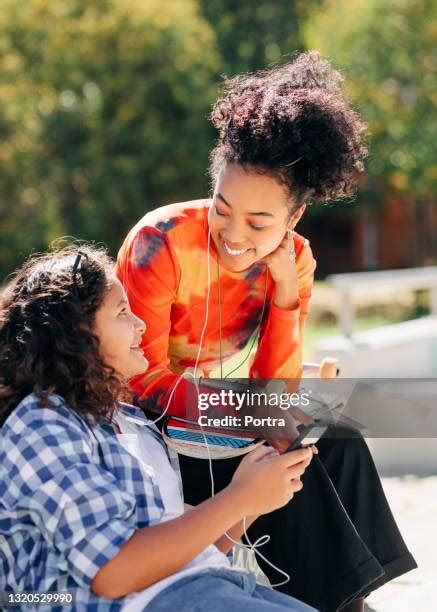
163	265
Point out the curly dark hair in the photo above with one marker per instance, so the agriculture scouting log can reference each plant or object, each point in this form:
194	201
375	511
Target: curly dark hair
47	343
293	123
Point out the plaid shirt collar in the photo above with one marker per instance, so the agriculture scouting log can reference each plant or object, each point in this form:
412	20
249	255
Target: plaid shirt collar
70	497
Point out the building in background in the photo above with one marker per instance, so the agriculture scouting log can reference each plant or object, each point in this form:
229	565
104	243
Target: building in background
399	234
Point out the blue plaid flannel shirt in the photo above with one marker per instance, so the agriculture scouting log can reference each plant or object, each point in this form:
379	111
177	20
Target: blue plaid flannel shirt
70	497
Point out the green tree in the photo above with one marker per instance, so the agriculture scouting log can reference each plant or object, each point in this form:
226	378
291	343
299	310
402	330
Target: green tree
253	34
388	54
103	116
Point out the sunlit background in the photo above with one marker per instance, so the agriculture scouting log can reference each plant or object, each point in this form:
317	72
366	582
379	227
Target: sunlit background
103	116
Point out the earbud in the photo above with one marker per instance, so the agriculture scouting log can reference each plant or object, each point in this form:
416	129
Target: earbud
291	248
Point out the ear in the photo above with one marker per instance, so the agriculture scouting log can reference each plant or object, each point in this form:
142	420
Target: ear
295	217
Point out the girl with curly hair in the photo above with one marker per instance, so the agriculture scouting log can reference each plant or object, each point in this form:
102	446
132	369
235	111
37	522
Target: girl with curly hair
91	509
211	274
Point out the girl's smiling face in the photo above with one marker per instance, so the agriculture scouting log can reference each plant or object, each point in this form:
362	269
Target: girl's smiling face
120	332
249	216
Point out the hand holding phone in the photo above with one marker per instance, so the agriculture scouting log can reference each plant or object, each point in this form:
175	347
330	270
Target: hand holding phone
308	435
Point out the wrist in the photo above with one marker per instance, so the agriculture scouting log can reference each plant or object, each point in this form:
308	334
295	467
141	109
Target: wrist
240	500
285	298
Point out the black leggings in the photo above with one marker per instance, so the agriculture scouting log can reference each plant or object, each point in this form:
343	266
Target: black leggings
337	538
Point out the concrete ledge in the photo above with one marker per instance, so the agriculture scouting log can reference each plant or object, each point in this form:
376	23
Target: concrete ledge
403	350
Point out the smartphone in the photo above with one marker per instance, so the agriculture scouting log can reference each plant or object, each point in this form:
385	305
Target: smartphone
308	435
217	384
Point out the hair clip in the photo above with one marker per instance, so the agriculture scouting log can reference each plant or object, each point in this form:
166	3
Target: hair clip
77	262
76	265
293	162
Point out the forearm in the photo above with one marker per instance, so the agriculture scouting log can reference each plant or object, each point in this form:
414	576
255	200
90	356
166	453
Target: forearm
224	543
279	352
153	553
286	295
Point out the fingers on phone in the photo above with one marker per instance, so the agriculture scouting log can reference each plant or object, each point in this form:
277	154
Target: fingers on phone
297	470
296	456
260	451
297	485
263	453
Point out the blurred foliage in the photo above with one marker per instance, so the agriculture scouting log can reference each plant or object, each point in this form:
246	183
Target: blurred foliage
104	104
252	35
388	55
103	116
104	107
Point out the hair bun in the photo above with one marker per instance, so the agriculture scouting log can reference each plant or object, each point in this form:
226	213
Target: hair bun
312	71
294	123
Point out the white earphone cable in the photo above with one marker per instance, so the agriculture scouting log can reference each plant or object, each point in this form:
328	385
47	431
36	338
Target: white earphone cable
185	374
262	540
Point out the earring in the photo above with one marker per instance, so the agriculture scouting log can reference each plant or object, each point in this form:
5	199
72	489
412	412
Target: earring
291	249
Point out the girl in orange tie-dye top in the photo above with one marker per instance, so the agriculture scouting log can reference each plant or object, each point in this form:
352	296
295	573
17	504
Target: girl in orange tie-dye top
205	275
165	258
286	136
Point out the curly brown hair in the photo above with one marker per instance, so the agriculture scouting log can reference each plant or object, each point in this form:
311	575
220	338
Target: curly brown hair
47	343
293	123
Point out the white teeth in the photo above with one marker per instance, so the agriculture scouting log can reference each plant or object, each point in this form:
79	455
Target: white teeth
232	251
